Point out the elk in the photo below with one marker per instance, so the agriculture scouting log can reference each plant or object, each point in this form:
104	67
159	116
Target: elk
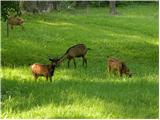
79	50
14	21
115	65
44	70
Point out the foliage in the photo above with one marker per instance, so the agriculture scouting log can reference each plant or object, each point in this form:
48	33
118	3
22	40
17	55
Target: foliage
129	3
83	92
8	8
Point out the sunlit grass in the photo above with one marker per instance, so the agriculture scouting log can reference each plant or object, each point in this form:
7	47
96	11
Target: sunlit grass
56	24
83	92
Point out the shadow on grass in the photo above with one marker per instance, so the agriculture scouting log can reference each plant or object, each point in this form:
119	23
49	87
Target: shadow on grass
41	45
23	95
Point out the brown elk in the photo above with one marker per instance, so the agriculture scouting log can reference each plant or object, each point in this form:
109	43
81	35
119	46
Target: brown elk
115	65
14	21
79	50
44	70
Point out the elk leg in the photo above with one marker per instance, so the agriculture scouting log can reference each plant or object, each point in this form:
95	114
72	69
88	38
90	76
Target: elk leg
115	73
120	73
12	27
50	79
74	62
109	68
47	77
68	62
83	60
36	77
22	27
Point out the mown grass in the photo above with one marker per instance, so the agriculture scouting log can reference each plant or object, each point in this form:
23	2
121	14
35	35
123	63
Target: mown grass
83	92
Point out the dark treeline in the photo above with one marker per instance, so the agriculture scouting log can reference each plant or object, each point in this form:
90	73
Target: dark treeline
8	7
47	6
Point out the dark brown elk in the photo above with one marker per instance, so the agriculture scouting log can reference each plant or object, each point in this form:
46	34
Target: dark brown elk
44	70
115	65
79	50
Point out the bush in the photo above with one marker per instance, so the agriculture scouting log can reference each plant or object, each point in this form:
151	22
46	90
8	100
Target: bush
9	8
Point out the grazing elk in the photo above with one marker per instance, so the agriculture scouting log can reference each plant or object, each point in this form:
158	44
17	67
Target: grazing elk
115	65
79	50
44	70
13	21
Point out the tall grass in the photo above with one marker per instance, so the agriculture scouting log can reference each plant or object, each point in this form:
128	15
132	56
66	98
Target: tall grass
82	92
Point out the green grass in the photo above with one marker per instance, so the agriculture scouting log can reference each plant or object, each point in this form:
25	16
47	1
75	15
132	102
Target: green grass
82	92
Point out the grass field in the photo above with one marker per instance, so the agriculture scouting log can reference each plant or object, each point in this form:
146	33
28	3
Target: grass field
88	92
